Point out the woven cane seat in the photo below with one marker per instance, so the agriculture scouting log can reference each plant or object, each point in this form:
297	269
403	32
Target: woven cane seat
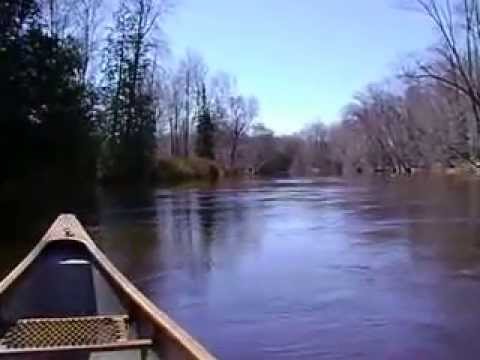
68	334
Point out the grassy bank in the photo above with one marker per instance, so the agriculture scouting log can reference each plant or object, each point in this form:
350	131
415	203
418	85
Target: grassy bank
178	169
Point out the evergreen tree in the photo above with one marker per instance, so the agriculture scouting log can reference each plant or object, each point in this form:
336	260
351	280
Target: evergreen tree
205	146
46	119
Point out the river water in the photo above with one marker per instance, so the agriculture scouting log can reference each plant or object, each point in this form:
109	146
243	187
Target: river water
300	269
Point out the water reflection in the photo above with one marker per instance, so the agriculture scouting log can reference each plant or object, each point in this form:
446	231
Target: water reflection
307	269
126	230
208	214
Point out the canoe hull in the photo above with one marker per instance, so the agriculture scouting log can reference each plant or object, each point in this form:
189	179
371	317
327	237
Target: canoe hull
67	275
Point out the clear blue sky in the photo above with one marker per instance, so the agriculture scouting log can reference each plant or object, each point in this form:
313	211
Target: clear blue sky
303	59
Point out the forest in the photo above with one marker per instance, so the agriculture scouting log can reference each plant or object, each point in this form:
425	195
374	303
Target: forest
428	116
94	99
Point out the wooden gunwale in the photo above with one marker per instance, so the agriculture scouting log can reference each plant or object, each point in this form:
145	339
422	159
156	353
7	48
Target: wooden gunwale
67	228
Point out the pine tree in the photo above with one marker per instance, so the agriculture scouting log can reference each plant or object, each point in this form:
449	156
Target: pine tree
205	145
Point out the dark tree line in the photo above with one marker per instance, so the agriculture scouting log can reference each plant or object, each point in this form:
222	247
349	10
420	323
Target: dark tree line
86	101
46	120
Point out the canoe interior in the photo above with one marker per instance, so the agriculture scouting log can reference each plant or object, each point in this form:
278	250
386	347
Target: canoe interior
59	283
65	281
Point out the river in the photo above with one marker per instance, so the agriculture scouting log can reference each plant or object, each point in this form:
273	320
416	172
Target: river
298	269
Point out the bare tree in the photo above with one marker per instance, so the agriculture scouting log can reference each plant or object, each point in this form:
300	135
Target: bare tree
181	99
241	113
194	71
146	14
87	21
58	16
316	148
172	103
457	63
261	146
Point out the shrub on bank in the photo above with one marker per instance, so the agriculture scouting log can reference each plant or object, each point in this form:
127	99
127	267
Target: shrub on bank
179	169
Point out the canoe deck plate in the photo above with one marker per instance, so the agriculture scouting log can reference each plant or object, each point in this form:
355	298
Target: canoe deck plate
56	333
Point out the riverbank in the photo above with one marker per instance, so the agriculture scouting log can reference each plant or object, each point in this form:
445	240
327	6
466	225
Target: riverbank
179	169
459	168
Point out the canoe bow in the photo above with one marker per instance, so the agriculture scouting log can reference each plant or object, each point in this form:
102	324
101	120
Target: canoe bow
67	227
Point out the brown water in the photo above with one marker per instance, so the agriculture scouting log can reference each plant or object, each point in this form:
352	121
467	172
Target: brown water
302	269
